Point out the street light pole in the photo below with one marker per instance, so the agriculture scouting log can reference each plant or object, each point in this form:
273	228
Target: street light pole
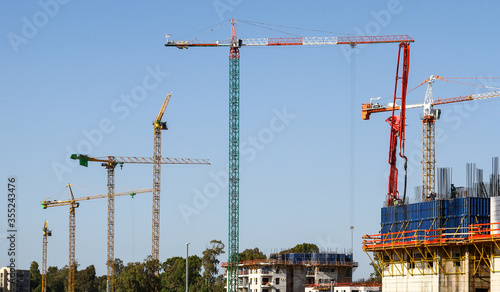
352	245
187	267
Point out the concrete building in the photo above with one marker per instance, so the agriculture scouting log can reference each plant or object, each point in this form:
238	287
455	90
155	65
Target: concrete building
22	280
295	272
440	245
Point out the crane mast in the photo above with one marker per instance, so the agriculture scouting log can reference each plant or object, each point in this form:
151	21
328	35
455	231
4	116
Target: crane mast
429	142
234	158
46	233
72	227
110	260
158	127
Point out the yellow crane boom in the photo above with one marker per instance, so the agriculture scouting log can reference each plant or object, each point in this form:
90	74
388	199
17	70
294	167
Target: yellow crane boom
163	107
56	203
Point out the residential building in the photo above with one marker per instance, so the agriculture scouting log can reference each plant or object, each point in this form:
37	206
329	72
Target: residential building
22	280
294	272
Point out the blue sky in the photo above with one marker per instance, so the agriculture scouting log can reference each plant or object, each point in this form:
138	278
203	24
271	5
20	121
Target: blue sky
68	66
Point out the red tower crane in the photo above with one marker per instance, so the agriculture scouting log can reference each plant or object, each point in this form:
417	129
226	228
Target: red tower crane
234	44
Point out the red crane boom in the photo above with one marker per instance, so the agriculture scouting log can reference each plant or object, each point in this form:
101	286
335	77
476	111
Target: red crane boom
397	124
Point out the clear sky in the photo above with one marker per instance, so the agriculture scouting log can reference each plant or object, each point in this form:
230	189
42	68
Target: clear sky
90	77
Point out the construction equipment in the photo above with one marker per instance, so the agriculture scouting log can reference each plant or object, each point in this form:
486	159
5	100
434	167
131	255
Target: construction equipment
397	124
234	45
429	117
109	163
158	127
46	233
73	203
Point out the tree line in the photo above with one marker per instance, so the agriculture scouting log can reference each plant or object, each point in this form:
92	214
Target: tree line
149	275
152	275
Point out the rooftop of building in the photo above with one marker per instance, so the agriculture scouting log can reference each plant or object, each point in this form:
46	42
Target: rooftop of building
330	259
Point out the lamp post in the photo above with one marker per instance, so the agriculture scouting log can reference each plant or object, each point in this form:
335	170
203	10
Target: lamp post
187	267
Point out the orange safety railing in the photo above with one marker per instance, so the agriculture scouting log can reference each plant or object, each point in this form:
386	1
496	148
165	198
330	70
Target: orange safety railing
484	231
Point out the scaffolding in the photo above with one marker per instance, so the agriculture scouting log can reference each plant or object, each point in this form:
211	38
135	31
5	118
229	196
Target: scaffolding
469	260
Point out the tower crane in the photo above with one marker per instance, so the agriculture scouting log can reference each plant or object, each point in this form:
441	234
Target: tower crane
234	45
109	163
158	127
46	233
73	203
429	117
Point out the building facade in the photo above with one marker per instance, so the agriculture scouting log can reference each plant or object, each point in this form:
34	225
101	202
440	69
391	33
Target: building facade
295	272
22	280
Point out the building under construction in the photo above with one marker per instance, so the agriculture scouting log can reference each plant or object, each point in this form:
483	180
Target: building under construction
295	272
449	241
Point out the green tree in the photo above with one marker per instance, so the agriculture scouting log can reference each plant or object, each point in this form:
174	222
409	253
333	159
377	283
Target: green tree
129	279
195	279
118	267
57	279
85	280
251	254
149	278
211	263
303	248
174	277
35	276
101	283
139	276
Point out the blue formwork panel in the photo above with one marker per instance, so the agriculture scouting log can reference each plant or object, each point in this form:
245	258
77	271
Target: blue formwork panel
454	213
401	213
331	257
295	258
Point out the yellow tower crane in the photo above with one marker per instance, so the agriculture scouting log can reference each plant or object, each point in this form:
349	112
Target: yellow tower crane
429	117
46	233
73	203
158	127
110	162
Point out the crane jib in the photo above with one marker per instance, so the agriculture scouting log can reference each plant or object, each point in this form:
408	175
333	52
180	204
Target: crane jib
295	41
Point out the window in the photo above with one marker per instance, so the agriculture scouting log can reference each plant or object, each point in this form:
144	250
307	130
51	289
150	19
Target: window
277	281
